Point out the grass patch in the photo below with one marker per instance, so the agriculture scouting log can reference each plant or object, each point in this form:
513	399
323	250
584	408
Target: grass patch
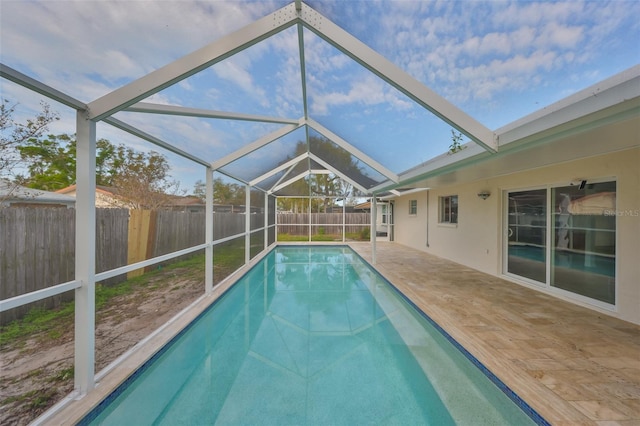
34	399
287	237
62	375
54	322
35	321
350	236
326	237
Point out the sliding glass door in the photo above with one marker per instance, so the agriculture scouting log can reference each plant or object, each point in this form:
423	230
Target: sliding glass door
527	234
564	237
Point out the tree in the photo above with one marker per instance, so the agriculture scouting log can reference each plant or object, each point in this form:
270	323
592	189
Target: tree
200	190
143	178
50	162
14	134
326	186
456	143
223	192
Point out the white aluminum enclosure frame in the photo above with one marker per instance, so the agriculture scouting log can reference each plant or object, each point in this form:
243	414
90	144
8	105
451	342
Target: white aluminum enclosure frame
570	116
128	98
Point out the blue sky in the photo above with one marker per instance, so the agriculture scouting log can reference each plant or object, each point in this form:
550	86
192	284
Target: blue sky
495	60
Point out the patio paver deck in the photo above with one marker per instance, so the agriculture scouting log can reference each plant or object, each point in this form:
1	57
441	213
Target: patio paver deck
573	365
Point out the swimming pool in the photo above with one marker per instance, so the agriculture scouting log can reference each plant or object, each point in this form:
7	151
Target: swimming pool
312	335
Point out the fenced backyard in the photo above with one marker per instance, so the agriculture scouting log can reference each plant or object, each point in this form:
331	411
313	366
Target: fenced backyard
324	226
37	245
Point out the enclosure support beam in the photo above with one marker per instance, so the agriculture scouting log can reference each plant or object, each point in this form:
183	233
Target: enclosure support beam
266	220
344	219
174	110
208	230
85	306
352	150
247	225
309	216
257	144
289	182
156	141
278	169
398	78
374	231
193	63
38	87
337	172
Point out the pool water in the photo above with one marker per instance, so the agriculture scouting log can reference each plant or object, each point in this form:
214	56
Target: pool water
312	336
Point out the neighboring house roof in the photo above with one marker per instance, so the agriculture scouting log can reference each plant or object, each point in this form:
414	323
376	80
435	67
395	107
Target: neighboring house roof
363	206
107	196
12	194
188	200
71	190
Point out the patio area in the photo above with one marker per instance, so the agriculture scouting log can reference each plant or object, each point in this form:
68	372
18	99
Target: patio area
571	364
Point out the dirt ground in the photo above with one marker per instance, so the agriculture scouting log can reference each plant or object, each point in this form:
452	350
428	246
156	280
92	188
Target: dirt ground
37	372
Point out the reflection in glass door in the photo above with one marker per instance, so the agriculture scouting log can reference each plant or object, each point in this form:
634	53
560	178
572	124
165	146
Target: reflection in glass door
583	259
527	234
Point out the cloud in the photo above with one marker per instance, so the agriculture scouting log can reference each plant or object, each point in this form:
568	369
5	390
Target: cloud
479	51
475	53
241	77
364	89
120	41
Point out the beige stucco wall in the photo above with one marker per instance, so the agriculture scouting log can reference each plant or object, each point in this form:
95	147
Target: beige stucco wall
476	240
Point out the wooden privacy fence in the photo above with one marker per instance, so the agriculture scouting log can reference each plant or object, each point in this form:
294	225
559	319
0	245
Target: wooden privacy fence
154	233
37	245
37	250
290	223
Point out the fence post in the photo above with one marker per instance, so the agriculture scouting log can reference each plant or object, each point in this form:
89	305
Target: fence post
139	229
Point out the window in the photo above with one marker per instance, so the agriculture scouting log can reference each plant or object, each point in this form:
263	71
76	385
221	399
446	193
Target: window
413	207
449	209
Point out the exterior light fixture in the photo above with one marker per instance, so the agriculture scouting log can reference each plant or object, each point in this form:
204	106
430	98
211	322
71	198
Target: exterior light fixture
484	194
580	183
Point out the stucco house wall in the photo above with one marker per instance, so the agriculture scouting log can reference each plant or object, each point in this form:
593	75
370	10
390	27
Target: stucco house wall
477	239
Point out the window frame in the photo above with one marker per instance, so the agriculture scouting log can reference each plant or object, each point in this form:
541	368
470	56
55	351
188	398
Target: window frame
446	209
413	207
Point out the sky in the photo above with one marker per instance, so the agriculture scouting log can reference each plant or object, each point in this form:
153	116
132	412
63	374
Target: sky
495	60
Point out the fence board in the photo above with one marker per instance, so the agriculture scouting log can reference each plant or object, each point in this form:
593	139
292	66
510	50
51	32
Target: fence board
34	254
37	250
227	224
139	221
111	242
177	230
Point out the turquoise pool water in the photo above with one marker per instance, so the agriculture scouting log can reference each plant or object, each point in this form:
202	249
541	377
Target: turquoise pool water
312	336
